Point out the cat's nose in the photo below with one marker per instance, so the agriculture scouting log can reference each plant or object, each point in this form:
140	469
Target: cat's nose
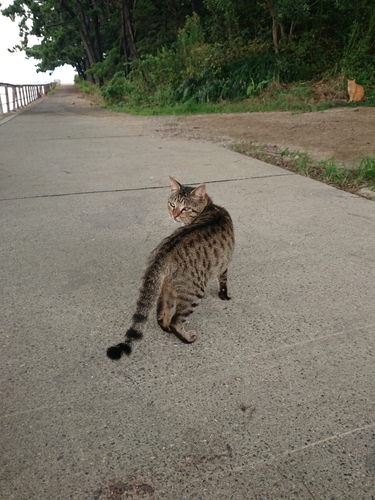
176	213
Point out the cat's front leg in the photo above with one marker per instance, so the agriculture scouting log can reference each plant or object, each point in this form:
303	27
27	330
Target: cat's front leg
222	283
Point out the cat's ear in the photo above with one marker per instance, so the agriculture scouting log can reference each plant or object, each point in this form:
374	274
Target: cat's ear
199	192
175	186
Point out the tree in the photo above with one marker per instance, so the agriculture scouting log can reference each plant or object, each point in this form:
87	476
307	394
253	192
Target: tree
69	31
101	37
127	31
287	11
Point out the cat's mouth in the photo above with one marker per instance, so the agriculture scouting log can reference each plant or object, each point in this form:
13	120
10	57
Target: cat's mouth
177	220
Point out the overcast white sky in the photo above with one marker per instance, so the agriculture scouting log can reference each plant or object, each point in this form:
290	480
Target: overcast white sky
15	68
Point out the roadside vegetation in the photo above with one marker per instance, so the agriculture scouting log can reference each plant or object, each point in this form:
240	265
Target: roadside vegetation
298	97
358	178
182	56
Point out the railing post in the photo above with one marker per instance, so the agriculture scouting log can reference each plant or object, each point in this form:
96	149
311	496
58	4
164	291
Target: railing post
14	93
18	103
7	98
23	95
19	96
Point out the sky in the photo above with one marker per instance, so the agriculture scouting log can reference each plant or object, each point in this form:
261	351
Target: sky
14	67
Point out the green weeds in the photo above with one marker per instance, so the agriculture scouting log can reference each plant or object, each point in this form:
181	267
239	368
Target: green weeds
53	90
328	171
87	87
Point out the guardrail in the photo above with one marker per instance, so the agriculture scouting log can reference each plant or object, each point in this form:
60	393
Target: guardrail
13	97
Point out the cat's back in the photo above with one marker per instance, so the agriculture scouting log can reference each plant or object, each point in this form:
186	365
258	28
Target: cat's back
213	222
213	229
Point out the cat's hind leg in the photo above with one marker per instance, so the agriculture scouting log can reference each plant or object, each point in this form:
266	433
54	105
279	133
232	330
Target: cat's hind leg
166	306
222	284
185	306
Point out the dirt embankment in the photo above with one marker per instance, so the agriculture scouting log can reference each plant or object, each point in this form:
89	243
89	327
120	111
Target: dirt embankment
348	134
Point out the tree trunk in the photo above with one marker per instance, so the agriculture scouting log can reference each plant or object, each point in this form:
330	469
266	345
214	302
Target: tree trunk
275	24
124	42
292	26
274	36
194	6
129	31
80	70
97	39
93	50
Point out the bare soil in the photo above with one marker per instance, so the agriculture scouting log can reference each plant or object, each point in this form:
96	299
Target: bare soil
347	134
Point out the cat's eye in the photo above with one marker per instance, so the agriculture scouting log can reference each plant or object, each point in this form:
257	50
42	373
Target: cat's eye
172	205
185	209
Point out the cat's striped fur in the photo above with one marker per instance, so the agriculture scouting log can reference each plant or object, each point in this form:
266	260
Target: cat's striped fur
181	265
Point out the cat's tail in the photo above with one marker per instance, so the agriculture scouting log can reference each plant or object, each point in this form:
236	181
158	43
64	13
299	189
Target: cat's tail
150	290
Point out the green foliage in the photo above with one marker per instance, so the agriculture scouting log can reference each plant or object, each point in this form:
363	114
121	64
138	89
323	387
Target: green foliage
194	71
116	89
199	52
87	87
366	172
290	10
329	171
112	64
359	55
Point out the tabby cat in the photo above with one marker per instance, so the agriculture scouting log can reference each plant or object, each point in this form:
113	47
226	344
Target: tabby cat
181	265
355	91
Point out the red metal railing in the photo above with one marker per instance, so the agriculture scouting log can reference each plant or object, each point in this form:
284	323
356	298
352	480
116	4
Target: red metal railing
13	97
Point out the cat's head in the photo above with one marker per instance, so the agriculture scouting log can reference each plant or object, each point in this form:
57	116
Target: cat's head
185	203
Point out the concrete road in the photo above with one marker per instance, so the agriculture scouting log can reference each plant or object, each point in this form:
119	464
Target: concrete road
276	397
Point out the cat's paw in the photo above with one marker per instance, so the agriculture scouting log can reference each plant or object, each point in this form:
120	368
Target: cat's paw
164	323
191	336
224	295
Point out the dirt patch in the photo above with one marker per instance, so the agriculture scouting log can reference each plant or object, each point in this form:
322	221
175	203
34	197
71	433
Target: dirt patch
347	134
121	490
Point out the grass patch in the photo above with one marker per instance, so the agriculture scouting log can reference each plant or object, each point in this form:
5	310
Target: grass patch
53	90
91	90
328	171
87	87
296	97
263	103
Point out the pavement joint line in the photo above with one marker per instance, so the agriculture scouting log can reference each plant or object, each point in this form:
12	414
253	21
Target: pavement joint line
209	367
286	347
125	190
277	456
79	138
